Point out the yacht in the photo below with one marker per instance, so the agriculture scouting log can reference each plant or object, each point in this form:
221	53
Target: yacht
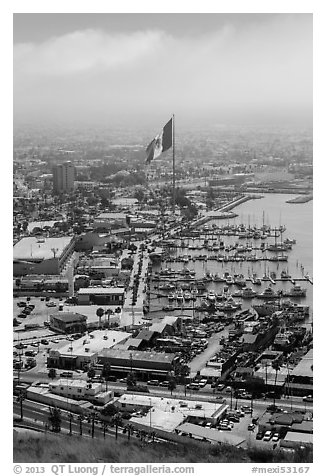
211	296
248	293
229	280
266	309
237	294
239	280
285	275
187	296
268	293
179	296
218	279
296	291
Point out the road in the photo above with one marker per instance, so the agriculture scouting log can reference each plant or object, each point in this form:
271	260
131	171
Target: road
213	347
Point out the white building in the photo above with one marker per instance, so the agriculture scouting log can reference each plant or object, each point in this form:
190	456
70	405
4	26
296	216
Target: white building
81	390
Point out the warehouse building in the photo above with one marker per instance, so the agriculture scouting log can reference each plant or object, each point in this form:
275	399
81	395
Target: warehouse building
35	255
101	295
146	364
83	352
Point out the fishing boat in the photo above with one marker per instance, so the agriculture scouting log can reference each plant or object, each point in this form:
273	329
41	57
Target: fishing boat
266	309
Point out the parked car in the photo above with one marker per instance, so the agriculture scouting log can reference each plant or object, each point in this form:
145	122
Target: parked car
259	435
21	304
44	342
51	304
30	353
307	398
275	437
22	315
66	374
267	436
154	383
224	427
165	383
251	427
228	389
220	387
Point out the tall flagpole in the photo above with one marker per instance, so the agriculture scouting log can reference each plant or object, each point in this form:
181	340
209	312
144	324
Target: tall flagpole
173	165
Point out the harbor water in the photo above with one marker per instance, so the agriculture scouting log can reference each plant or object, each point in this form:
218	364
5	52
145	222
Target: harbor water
271	210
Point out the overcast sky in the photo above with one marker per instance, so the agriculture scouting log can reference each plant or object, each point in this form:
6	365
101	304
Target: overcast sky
240	68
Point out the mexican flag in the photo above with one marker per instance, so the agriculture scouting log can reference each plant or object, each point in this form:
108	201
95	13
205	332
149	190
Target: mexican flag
160	143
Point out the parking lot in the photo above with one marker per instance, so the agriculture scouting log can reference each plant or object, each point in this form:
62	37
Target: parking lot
39	314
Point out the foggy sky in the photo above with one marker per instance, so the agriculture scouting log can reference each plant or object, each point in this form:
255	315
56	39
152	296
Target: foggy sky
225	68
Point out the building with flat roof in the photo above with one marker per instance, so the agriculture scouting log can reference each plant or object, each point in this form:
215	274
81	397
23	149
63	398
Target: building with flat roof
167	414
80	353
81	390
144	363
111	221
101	295
68	322
63	177
35	255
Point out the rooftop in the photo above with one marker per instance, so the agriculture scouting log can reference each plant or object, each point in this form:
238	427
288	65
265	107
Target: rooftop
137	355
211	434
68	316
305	366
33	248
101	290
102	340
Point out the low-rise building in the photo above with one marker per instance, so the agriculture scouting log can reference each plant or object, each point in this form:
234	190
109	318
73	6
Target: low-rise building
81	353
101	295
146	364
68	322
81	390
39	255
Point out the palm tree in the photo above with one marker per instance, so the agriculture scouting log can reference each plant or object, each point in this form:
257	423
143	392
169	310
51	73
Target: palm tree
276	367
99	313
117	420
172	385
131	380
106	374
52	373
55	419
91	372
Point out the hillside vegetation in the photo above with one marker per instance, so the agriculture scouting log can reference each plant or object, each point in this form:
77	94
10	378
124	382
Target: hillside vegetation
51	448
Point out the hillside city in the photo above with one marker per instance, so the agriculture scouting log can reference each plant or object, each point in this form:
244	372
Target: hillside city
134	315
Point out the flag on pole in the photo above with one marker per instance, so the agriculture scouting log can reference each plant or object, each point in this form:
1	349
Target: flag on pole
160	143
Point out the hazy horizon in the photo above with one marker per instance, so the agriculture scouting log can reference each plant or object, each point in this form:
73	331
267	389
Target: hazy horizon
141	68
